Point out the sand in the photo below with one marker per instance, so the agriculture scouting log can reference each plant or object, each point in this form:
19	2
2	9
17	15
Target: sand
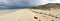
19	15
32	15
47	15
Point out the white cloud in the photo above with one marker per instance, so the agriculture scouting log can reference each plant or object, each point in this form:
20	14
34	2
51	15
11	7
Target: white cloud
55	1
27	2
43	2
32	2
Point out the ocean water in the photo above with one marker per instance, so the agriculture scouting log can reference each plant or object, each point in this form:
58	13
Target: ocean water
7	11
4	10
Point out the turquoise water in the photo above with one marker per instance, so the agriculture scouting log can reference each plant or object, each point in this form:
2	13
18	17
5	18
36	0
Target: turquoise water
8	10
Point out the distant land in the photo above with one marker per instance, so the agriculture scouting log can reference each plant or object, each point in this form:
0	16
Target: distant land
48	6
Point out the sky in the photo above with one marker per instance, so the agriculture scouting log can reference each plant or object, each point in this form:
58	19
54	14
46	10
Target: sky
25	3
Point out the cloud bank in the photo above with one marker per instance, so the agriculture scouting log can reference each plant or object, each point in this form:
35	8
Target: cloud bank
24	3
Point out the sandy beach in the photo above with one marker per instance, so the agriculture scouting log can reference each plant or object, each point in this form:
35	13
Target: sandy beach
32	15
19	15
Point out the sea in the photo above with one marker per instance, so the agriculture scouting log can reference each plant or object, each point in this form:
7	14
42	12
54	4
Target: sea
7	11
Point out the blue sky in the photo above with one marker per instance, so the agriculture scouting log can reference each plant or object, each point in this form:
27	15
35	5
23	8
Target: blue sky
26	2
